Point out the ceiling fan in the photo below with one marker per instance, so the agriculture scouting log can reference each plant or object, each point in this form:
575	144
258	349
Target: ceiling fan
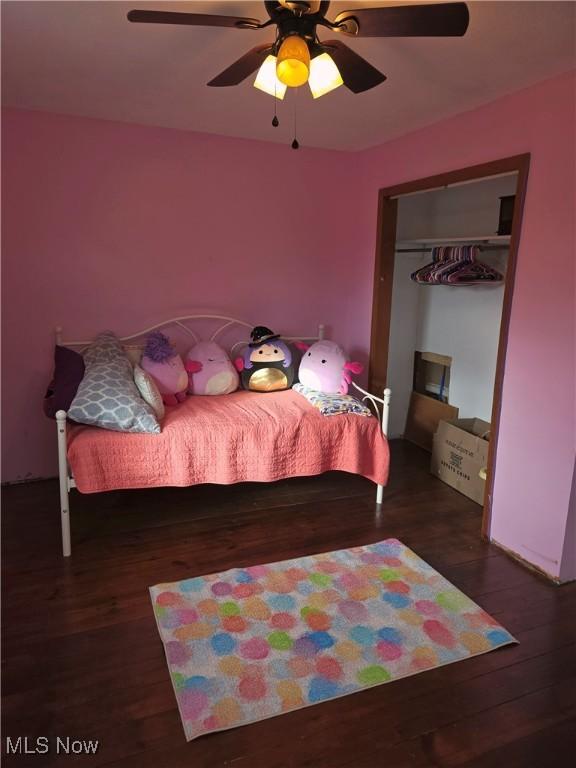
298	56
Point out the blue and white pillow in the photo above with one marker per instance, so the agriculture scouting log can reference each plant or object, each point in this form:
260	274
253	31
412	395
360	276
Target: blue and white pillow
107	396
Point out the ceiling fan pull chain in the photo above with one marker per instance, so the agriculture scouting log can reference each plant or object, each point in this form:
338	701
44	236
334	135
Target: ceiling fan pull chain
295	144
275	121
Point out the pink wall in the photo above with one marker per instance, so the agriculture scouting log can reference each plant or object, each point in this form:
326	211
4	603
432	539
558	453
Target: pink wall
568	567
107	224
537	434
114	225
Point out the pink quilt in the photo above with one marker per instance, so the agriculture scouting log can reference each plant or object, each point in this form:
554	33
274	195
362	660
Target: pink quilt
245	436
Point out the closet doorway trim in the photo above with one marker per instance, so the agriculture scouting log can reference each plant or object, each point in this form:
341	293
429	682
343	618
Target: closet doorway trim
384	275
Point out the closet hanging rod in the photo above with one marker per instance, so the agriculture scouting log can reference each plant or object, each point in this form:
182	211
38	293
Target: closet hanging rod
422	249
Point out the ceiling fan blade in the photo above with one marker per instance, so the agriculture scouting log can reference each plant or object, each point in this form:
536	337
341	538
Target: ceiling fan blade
439	20
357	73
192	19
243	67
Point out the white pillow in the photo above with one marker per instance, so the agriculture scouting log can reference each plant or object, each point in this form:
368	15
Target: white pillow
149	391
133	352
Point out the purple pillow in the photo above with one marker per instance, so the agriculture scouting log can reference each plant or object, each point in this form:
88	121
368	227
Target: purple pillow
68	373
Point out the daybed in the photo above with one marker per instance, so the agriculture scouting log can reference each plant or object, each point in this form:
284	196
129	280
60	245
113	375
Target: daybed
244	436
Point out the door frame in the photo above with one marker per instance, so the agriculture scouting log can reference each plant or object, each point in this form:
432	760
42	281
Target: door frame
384	276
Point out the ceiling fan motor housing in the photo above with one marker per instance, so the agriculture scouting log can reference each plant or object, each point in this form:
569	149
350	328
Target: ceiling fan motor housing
298	6
295	18
293	25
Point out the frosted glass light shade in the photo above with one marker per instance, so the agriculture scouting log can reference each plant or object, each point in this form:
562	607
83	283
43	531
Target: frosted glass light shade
293	65
324	75
266	79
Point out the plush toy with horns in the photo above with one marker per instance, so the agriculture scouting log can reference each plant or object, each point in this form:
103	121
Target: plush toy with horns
324	368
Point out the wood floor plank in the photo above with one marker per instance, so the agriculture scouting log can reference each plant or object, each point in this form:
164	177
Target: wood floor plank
460	742
82	657
554	745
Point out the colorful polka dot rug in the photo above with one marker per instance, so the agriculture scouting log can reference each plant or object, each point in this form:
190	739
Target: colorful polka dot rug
251	643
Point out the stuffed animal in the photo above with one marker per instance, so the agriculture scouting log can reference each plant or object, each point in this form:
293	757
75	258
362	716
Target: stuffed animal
165	366
324	368
266	365
210	371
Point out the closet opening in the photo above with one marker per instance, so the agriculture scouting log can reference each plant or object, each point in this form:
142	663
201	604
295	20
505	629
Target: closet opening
443	284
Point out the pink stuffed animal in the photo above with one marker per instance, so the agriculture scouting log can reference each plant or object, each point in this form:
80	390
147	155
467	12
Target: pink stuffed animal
210	371
324	368
165	365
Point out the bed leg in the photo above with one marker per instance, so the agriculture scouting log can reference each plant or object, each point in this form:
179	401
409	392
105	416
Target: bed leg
63	475
386	411
385	416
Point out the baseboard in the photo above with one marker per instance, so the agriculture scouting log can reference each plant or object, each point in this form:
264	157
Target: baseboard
527	564
25	480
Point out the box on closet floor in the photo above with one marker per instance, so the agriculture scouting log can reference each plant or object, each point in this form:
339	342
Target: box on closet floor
459	452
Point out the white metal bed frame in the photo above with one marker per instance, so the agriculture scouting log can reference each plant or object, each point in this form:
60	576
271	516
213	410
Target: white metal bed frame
381	406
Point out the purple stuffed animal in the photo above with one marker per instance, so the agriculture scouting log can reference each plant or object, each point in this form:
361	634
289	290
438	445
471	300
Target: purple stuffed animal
165	365
210	370
324	368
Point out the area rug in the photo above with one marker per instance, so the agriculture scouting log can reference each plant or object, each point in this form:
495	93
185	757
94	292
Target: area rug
251	643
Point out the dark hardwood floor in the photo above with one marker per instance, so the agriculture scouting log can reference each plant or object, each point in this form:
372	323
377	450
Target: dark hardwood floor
82	656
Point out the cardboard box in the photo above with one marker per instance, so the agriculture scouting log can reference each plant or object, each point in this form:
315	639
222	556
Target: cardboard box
424	415
459	452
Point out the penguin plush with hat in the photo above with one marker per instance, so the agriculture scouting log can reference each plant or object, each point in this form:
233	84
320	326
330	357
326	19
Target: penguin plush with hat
266	365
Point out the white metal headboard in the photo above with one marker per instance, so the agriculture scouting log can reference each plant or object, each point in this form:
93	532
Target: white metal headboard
181	323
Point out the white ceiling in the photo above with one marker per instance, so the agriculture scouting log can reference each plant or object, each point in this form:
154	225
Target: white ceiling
85	58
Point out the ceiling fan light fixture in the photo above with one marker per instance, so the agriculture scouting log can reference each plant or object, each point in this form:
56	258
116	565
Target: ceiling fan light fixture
324	75
267	81
293	64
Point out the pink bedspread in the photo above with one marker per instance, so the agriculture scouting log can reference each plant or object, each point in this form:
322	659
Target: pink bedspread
229	439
